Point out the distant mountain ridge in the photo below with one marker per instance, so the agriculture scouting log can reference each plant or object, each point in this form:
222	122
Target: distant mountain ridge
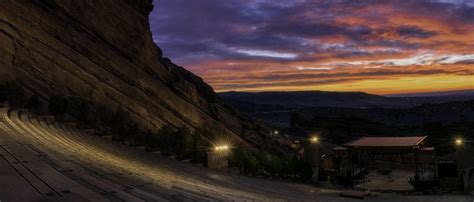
304	99
458	93
277	108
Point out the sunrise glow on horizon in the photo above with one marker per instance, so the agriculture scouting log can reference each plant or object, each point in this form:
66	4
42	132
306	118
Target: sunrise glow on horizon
377	47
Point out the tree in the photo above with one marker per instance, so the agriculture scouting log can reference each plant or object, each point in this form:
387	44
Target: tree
76	107
132	133
198	148
151	141
275	165
58	105
14	94
34	104
183	138
119	125
7	90
245	160
264	159
165	139
289	166
304	170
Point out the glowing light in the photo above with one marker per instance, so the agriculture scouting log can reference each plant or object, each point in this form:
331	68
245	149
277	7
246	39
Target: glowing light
459	141
276	132
314	139
221	147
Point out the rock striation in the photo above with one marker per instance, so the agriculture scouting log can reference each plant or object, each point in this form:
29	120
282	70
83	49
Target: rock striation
103	51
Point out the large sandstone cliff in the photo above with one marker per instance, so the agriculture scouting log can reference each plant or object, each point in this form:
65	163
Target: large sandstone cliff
103	51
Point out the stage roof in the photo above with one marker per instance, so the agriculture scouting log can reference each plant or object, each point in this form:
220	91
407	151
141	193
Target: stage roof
386	141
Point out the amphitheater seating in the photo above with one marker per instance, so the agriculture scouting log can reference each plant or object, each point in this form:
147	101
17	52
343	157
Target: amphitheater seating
43	159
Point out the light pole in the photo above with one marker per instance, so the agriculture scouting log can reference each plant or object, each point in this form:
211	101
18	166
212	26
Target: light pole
313	156
463	160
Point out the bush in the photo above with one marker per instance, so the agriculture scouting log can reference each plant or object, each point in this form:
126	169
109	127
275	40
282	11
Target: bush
198	148
180	142
183	145
34	104
289	166
76	107
58	105
170	140
249	162
275	165
12	93
304	170
132	133
165	139
245	160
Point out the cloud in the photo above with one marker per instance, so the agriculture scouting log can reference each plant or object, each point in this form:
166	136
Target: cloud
266	53
314	68
261	43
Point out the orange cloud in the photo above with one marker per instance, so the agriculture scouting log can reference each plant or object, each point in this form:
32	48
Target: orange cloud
376	47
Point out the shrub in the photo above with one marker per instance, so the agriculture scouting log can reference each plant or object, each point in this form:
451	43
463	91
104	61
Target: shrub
289	166
12	93
183	141
170	140
34	104
132	133
245	160
76	107
165	139
249	162
198	148
304	170
275	165
58	105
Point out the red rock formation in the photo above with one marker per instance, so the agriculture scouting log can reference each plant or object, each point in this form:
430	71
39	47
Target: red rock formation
103	51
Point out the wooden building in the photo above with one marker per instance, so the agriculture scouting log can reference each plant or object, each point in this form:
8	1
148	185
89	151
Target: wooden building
389	153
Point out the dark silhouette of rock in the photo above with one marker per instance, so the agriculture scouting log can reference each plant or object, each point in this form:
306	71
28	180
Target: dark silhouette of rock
103	51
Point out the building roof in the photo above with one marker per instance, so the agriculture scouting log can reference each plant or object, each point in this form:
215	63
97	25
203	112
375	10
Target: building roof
339	148
427	149
386	141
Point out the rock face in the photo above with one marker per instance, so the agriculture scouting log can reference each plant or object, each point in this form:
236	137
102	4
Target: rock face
103	51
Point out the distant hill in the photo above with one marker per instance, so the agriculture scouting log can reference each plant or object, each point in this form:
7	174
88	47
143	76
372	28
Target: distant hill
457	93
440	122
270	101
277	107
448	112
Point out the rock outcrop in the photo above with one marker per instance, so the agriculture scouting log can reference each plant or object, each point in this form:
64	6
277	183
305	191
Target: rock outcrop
103	51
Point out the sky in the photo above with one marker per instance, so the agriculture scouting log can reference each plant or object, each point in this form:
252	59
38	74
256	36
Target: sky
380	47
